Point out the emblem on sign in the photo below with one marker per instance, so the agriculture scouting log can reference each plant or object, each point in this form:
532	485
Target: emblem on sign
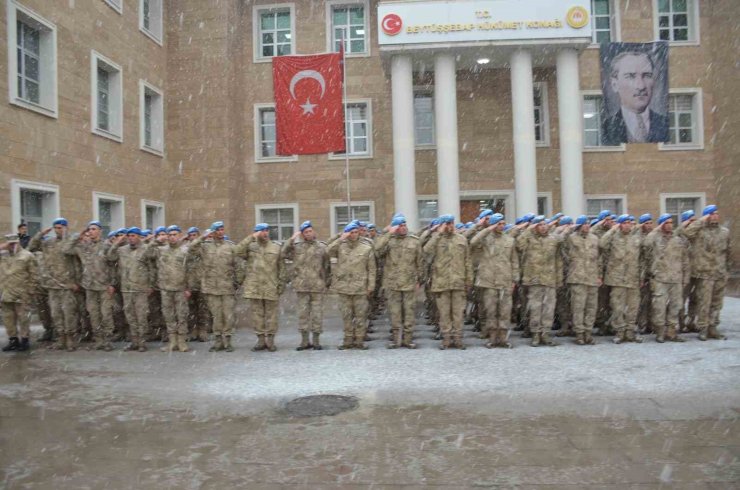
391	24
577	17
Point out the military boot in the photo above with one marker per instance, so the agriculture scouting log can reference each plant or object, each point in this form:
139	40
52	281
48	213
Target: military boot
445	343
673	335
218	344
47	336
703	334
589	338
227	344
631	336
395	339
492	339
713	333
535	339
360	342
142	345
660	334
346	344
503	338
580	338
60	344
171	345
527	333
12	345
316	344
408	343
546	340
619	338
133	345
182	344
71	343
270	343
260	345
24	345
305	344
459	343
203	335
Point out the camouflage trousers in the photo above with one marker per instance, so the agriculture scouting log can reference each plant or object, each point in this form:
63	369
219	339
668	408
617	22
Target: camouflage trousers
583	301
221	307
687	315
63	306
645	311
624	303
136	308
119	317
497	307
175	312
709	295
666	304
156	322
562	309
85	329
402	311
264	315
310	312
354	315
541	308
603	313
199	317
100	308
17	316
451	305
41	302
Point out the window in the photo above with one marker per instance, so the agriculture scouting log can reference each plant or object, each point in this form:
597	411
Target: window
282	218
151	109
116	5
274	30
473	202
593	115
428	210
107	97
32	60
363	211
686	128
544	204
541	131
358	130
596	204
675	204
423	119
677	20
150	19
265	135
109	210
34	204
348	22
604	20
152	214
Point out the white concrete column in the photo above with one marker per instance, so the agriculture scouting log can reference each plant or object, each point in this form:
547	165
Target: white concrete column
445	122
404	169
570	122
522	107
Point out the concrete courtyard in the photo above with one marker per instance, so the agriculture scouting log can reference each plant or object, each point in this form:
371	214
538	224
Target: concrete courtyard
605	416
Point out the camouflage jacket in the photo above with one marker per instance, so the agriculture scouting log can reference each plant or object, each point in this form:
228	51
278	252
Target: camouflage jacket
138	273
451	265
621	256
583	258
354	272
97	271
59	267
265	271
403	261
218	265
311	265
18	276
666	258
171	264
541	261
710	250
498	266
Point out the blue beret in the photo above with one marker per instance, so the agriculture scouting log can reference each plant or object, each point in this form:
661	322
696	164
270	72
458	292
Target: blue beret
95	223
519	221
399	215
556	216
631	217
604	214
459	226
623	218
663	218
508	227
371	226
193	229
469	225
645	218
160	229
484	213
688	214
398	220
261	227
111	234
538	219
582	220
613	216
361	224
528	217
135	230
60	221
594	221
496	218
434	222
121	231
351	227
712	208
226	238
172	228
146	232
304	225
566	220
446	218
216	225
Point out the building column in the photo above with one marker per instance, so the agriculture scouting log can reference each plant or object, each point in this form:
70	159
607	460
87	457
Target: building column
445	122
570	121
522	107
404	169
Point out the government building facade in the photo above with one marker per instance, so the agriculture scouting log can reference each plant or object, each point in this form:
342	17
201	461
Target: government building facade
153	112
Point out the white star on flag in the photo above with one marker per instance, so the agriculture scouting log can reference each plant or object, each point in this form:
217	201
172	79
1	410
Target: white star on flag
308	106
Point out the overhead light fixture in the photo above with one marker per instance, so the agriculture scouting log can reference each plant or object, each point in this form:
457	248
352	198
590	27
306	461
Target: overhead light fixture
483	61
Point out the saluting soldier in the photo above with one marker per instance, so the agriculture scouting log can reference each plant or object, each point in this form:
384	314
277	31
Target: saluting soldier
18	276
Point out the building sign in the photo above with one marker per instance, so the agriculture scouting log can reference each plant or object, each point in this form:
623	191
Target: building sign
492	20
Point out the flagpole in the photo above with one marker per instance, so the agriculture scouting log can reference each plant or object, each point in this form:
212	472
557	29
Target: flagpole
344	105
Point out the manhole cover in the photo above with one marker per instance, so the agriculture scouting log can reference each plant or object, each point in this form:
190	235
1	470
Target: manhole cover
318	405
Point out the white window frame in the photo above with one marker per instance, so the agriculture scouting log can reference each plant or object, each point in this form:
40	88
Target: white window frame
116	5
48	104
697	100
369	130
258	158
615	24
257	29
664	196
338	204
545	116
597	149
425	197
156	35
144	204
157	126
115	97
330	5
258	208
16	186
623	197
508	195
548	203
428	91
694	21
117	221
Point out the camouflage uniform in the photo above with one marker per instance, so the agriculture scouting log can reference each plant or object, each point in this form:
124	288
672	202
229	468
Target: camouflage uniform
311	277
603	310
623	275
199	318
710	259
18	283
172	282
353	279
497	272
59	282
477	312
644	312
430	306
404	263
264	283
41	300
451	276
583	278
667	268
218	283
519	314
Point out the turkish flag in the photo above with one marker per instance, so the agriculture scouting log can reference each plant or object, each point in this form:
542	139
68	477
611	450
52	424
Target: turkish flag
309	114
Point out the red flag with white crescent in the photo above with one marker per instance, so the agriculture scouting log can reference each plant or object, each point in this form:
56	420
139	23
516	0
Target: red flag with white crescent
309	114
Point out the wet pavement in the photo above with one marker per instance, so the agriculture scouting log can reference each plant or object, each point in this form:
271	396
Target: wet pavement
605	416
